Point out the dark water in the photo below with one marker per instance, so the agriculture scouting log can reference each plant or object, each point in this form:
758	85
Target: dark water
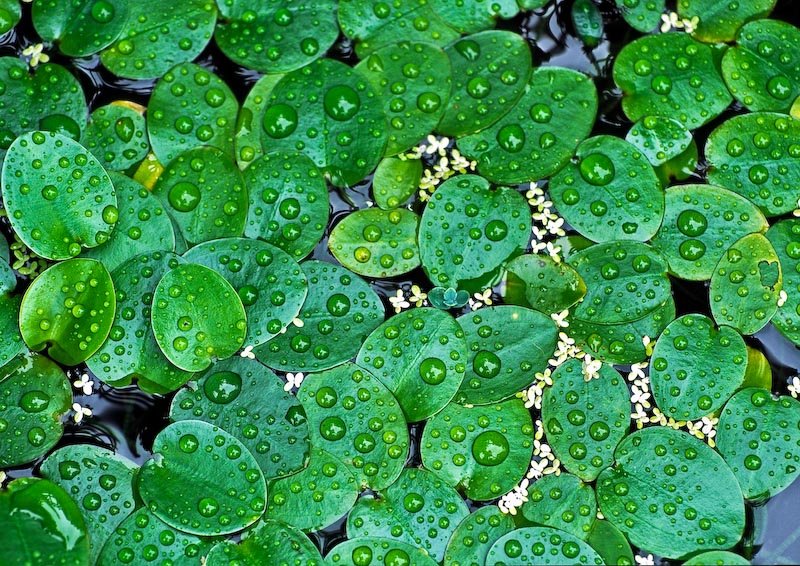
127	420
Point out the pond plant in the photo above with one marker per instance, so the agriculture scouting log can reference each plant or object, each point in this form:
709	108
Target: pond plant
371	283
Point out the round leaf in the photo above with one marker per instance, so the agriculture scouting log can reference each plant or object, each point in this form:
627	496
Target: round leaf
80	28
269	542
383	550
116	135
641	16
249	133
395	180
11	342
475	534
540	282
541	545
610	543
667	145
785	239
563	502
719	21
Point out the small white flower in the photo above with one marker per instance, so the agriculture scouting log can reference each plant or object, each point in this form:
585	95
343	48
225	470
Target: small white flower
298	322
480	299
2	477
639	396
537	468
248	353
648	345
689	25
782	298
36	55
80	412
84	384
417	296
436	145
796	211
399	301
590	367
670	21
794	387
646	560
293	380
560	318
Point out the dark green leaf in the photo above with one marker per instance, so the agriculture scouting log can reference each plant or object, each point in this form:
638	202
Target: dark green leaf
81	27
541	545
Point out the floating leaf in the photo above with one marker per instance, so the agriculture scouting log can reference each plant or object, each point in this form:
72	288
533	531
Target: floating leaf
745	285
35	395
274	37
419	355
449	298
475	534
759	372
10	14
228	491
585	420
605	205
490	73
197	317
758	437
383	550
562	502
408	510
641	15
719	22
695	367
646	494
57	221
341	309
540	133
41	525
756	155
717	557
474	15
289	203
785	239
540	282
672	75
468	231
330	98
117	135
80	28
588	22
249	132
700	223
610	543
395	180
377	243
231	394
268	542
483	450
356	418
507	346
11	342
667	144
541	545
101	481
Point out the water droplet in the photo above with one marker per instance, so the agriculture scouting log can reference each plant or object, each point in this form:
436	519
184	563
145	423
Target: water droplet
223	387
34	401
332	428
692	223
184	196
432	371
490	448
208	507
511	138
597	169
341	103
280	120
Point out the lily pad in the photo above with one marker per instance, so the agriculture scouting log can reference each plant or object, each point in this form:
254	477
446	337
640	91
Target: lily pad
585	420
610	543
785	239
758	437
268	542
228	490
507	345
696	367
541	545
746	284
757	156
419	355
667	144
475	534
356	418
483	450
275	36
700	223
131	351
35	396
57	220
605	205
363	550
249	132
289	203
80	28
717	558
719	22
340	311
540	282
474	15
672	75
68	310
231	394
270	284
377	243
11	342
588	22
197	317
468	231
538	136
641	15
490	73
117	135
563	502
419	509
395	180
101	481
10	14
329	98
646	494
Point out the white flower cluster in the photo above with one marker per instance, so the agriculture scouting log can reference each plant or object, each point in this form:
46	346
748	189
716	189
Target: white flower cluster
293	381
450	162
673	21
546	223
416	297
85	386
794	387
644	560
35	54
480	299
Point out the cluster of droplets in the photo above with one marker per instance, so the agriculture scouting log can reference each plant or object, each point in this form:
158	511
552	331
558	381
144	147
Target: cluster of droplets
449	162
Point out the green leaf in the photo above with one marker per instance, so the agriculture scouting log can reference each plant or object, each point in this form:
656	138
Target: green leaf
270	284
507	346
756	155
101	481
131	351
672	75
541	545
719	22
588	22
641	15
472	16
57	221
490	73
315	497
227	492
475	534
354	417
35	395
11	342
538	136
445	299
275	36
377	243
407	510
340	311
746	284
329	98
10	14
289	203
785	239
759	372
759	438
605	205
419	355
116	134
563	502
645	494
383	550
268	542
717	558
40	525
585	420
231	394
610	543
249	132
395	180
667	144
483	450
157	36
695	368
80	28
413	84
540	282
197	317
468	231
700	223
